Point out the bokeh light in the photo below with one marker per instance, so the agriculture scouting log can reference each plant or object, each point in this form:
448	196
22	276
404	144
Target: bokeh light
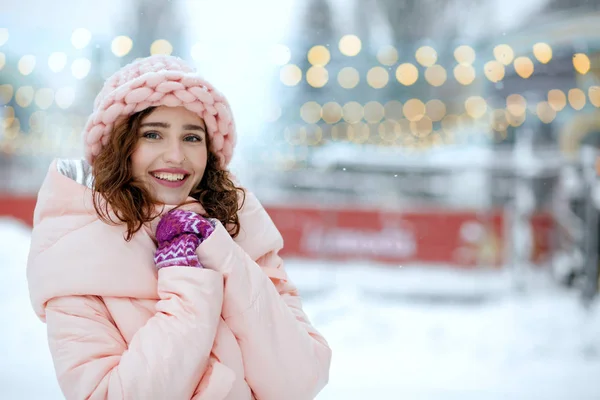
524	67
557	99
464	74
494	71
44	98
81	38
121	46
373	112
161	46
576	98
57	61
6	94
582	63
311	112
350	45
435	75
435	109
24	96
348	77
516	105
331	112
64	97
290	75
594	95
426	56
407	74
377	77
504	54
542	52
545	112
317	77
475	106
387	55
319	56
393	110
81	68
414	110
352	112
464	55
26	64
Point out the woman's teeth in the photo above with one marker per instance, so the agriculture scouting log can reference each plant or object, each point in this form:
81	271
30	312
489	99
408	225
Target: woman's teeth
169	177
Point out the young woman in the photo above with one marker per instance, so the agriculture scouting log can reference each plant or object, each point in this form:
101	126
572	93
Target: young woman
156	275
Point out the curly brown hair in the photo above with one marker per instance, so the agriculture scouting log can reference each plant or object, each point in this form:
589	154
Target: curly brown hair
117	192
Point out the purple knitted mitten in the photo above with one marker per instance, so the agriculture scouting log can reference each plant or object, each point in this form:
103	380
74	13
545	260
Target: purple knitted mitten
179	233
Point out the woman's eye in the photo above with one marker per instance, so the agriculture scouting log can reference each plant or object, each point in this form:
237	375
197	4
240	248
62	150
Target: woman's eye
151	135
193	138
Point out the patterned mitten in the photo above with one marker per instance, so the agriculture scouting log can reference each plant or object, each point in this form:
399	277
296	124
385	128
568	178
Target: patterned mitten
179	233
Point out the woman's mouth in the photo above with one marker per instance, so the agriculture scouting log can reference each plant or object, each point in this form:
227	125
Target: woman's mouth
171	180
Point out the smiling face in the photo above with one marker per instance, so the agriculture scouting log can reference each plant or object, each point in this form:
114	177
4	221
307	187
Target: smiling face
171	153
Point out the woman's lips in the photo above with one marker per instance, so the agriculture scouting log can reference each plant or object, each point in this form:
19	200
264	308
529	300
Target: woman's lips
170	184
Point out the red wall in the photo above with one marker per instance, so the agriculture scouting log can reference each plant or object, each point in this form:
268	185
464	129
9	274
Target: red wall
460	238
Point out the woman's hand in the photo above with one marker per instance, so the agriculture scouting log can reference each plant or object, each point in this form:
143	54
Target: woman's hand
179	233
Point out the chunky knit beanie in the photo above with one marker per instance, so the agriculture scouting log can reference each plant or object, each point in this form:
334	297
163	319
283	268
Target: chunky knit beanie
159	81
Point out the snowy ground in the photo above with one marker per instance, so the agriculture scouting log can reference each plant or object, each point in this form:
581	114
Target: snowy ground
411	333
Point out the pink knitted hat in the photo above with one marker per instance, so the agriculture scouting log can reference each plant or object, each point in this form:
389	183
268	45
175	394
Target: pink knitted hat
159	81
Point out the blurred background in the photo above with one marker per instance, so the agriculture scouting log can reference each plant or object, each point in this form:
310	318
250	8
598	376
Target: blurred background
432	165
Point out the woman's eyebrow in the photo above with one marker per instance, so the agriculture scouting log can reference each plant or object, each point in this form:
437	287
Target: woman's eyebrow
156	124
193	127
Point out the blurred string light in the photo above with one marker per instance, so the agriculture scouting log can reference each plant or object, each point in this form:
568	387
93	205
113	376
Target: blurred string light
499	120
545	112
557	99
373	112
435	75
317	76
290	75
3	36
516	105
582	63
318	56
80	68
352	112
387	55
64	97
407	74
494	71
576	99
421	127
311	112
6	94
280	54
331	112
464	74
44	98
81	38
348	77
24	96
504	54
350	45
359	132
57	61
426	56
378	77
2	60
464	55
121	46
26	64
435	109
414	110
594	95
475	106
161	46
7	117
524	67
542	52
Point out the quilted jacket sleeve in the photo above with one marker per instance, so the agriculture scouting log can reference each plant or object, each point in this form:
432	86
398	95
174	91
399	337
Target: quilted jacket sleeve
166	357
285	357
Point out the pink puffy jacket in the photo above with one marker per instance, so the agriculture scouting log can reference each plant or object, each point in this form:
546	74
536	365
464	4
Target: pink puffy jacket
117	329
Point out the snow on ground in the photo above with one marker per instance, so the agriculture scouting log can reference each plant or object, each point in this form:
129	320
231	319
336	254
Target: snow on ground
410	333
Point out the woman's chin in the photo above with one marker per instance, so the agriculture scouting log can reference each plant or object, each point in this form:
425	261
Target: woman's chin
171	198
